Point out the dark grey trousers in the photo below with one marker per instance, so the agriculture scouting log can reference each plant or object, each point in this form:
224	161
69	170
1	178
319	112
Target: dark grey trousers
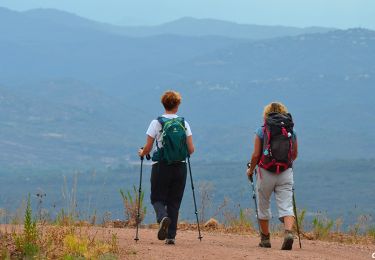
167	189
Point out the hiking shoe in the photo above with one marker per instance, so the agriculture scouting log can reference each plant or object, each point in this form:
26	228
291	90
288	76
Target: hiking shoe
163	228
170	241
265	240
288	240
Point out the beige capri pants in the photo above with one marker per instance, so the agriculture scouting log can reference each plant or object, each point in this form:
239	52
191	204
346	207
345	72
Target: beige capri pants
282	185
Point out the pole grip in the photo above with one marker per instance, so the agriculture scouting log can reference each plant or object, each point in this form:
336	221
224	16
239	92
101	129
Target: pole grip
148	157
251	176
141	157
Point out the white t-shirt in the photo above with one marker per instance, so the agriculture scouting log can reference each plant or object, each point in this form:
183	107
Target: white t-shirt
155	128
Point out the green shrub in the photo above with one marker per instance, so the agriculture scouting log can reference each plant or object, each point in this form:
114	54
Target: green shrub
26	243
301	220
30	230
242	221
361	226
371	232
131	206
322	227
64	219
4	253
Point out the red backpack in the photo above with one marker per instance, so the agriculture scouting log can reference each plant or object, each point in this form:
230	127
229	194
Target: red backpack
277	143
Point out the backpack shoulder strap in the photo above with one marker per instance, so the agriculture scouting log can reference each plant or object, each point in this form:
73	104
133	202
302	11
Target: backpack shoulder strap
182	120
266	136
162	120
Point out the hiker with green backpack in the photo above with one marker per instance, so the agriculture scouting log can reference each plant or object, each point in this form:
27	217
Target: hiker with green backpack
174	143
275	149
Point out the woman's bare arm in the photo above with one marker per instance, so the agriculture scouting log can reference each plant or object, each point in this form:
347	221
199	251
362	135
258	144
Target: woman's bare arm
148	146
257	152
190	145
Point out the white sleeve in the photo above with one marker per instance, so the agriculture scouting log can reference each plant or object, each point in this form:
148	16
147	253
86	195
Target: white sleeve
152	129
188	130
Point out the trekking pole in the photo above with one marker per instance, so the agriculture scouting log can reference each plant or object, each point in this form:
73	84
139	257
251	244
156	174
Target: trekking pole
255	199
195	203
139	200
296	216
139	196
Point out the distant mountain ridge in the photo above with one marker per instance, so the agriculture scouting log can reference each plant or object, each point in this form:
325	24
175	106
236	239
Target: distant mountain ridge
186	26
189	26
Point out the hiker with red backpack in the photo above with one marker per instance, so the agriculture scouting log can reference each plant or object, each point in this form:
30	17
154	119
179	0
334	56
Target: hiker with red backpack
275	149
174	143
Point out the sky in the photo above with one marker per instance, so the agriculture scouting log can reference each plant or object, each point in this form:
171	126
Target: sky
301	13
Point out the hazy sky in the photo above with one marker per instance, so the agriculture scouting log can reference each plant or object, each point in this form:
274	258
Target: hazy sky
301	13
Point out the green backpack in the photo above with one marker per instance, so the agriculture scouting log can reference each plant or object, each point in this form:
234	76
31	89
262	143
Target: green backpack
174	141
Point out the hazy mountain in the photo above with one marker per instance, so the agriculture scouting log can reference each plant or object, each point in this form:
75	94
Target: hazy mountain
336	53
33	48
325	79
65	18
186	26
65	123
189	26
74	94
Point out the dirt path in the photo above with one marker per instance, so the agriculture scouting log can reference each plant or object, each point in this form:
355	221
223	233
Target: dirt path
220	246
230	246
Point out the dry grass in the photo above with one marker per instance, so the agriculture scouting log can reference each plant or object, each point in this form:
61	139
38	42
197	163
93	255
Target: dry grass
341	237
67	236
60	242
131	201
63	238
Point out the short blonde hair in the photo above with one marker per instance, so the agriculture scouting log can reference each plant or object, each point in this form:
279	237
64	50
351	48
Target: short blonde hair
171	99
274	107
